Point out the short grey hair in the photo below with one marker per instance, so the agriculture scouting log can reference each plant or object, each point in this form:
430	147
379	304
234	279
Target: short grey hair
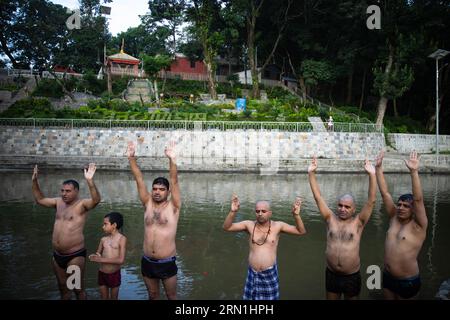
346	196
264	201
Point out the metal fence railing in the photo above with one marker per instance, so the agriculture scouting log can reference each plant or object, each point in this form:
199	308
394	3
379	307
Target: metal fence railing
184	125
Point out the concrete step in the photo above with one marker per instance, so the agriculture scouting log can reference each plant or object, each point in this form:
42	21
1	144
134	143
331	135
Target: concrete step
317	124
138	90
140	84
134	98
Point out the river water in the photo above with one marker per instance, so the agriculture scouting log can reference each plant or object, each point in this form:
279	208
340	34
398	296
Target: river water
212	263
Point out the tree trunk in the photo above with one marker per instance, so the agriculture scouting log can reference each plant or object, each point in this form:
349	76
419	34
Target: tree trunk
431	125
348	100
302	86
174	42
330	95
62	85
155	90
363	89
211	75
229	57
382	103
395	108
8	53
109	82
251	23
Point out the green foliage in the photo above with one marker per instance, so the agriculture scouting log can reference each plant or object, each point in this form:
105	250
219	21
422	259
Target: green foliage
153	64
317	71
403	125
51	89
13	84
30	108
395	83
92	84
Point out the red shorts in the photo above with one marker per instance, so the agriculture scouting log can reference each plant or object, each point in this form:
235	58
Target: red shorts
111	280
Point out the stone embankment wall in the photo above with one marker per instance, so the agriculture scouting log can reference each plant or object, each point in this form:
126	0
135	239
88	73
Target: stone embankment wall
237	150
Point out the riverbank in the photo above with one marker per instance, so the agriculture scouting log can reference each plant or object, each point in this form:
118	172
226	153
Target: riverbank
393	163
210	150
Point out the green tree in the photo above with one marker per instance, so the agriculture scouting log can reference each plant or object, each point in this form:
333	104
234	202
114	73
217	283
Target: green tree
278	17
141	40
24	25
152	65
168	14
205	18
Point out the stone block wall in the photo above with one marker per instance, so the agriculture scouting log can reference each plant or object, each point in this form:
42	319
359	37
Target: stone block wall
422	143
197	150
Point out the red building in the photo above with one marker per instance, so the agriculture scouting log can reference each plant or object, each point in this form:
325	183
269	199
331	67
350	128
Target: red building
63	69
183	64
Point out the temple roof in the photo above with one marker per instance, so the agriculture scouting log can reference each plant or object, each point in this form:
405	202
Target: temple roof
122	56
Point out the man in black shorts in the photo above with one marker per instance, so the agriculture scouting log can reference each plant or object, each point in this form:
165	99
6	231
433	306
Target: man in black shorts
405	236
344	230
161	221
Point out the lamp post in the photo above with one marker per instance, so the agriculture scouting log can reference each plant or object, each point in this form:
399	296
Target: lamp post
438	54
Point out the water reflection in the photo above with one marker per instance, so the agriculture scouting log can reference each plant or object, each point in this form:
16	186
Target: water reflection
212	263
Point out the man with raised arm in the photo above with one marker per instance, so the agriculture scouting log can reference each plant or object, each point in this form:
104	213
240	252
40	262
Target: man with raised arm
262	277
68	238
405	236
344	231
160	223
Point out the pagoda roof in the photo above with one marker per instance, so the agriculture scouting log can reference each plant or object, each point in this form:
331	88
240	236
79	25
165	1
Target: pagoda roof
123	56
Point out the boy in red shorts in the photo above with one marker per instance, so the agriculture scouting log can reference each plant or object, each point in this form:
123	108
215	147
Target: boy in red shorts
111	255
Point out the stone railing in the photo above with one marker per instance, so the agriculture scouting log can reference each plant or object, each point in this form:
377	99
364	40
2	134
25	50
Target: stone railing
186	125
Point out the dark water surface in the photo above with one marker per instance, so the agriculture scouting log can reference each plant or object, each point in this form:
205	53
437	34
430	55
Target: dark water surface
212	263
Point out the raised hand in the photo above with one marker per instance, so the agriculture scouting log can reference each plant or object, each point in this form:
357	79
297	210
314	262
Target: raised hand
413	162
235	204
296	206
131	149
370	169
170	151
379	159
89	171
35	173
313	166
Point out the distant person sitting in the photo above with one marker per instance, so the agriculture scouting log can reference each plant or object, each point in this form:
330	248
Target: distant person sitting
264	233
330	124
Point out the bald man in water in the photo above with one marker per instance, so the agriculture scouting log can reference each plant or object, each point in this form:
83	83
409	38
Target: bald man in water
405	236
70	218
262	276
344	231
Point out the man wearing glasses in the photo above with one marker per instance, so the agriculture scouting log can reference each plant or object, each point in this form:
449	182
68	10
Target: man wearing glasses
262	278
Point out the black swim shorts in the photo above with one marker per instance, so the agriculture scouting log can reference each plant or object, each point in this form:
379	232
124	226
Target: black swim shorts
348	284
405	288
158	268
63	259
